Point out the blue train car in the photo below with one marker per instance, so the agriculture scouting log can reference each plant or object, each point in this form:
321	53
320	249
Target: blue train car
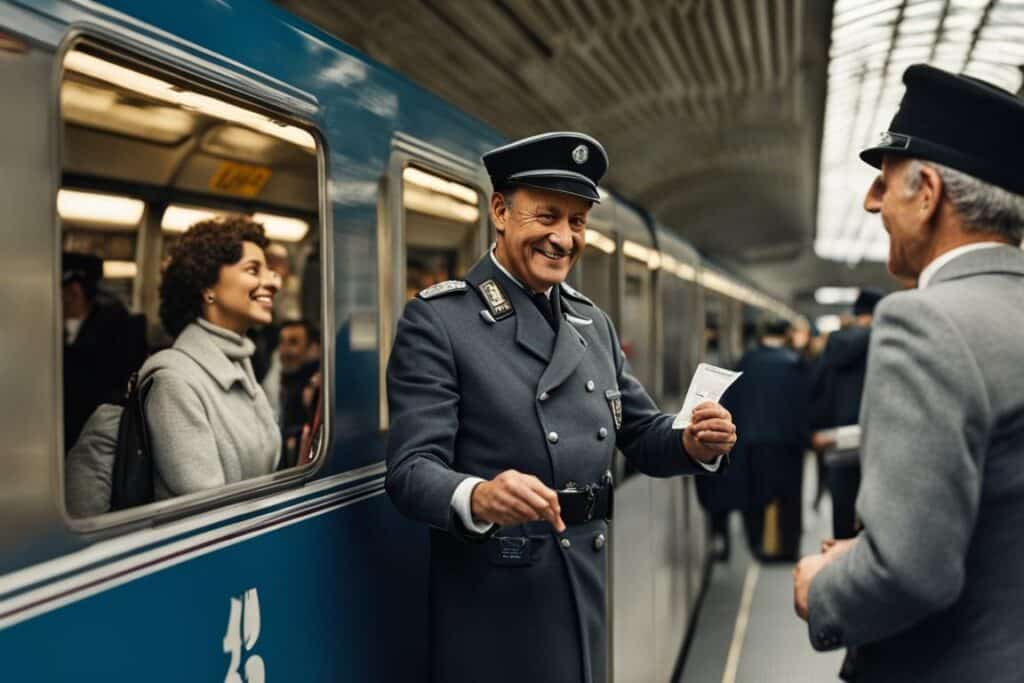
123	122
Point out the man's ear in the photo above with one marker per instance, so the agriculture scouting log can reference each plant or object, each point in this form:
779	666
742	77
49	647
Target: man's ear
930	193
499	211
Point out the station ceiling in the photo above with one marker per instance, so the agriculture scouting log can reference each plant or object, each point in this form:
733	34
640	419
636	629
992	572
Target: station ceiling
711	110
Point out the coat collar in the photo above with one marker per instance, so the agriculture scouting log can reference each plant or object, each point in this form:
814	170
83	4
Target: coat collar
562	352
1005	259
223	354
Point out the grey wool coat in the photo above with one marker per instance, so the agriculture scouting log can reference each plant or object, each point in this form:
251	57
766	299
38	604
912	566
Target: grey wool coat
934	588
475	396
209	421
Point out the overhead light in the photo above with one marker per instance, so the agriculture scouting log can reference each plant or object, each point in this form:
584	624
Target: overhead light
639	252
99	209
436	183
441	205
828	323
282	228
120	270
99	108
129	79
831	296
178	218
600	242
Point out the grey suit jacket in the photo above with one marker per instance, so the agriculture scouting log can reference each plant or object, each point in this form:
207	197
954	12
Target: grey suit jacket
934	588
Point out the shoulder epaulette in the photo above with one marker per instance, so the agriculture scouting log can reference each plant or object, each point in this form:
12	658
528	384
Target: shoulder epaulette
442	288
572	293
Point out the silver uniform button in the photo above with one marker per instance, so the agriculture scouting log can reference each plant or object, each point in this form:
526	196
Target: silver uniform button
552	437
590	385
566	543
602	433
599	541
543	396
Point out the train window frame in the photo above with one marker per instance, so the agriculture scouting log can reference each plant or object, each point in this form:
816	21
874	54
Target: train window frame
408	151
257	98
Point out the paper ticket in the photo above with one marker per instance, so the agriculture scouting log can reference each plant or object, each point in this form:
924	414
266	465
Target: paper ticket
708	384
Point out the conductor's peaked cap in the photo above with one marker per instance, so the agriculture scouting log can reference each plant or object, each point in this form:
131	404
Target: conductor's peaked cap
571	163
958	121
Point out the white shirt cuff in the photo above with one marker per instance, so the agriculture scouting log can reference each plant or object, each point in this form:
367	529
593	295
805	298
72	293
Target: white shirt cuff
462	501
711	466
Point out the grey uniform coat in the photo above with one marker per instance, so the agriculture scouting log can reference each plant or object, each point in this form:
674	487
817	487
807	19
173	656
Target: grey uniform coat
934	588
469	396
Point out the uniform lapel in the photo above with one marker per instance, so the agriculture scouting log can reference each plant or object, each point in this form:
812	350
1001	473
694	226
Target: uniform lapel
532	331
569	349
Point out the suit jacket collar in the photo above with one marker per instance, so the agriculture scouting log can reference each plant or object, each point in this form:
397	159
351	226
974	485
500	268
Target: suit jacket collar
1008	259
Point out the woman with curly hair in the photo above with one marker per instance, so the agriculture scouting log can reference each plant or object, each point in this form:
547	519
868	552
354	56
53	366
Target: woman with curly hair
210	423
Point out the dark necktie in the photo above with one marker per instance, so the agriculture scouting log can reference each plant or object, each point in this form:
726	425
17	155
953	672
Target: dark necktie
543	304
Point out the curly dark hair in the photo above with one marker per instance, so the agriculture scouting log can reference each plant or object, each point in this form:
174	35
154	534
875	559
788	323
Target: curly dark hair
195	265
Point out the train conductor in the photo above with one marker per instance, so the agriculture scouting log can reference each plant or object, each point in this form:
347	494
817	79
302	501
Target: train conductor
508	394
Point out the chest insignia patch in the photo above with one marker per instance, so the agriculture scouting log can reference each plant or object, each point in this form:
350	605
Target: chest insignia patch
498	304
442	288
614	399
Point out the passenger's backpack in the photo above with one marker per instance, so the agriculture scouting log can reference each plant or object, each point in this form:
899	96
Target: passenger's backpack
132	477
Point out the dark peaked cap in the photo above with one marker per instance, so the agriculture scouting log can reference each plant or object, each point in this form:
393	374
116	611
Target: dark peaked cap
572	163
960	122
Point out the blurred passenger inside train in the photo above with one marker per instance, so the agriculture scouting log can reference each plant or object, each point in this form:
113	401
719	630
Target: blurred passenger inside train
293	371
930	589
103	342
210	423
836	395
769	408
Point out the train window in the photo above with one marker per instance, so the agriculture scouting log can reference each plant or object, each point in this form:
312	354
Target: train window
599	269
678	313
164	183
636	331
433	228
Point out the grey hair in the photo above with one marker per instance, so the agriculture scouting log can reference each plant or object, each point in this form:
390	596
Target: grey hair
982	206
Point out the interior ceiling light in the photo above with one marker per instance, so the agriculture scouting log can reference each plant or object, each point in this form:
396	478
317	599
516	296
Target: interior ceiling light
178	218
100	108
417	198
828	323
120	270
435	183
600	241
830	296
873	42
158	89
639	252
99	209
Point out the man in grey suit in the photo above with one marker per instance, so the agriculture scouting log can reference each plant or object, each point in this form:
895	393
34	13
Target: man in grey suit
933	587
508	394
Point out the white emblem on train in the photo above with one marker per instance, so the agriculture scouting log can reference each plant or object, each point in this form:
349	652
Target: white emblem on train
243	632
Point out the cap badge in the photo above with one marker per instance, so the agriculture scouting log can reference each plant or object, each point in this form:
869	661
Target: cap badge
894	140
580	154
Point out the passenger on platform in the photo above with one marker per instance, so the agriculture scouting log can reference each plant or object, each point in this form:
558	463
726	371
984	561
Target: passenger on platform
209	421
508	395
932	589
769	408
835	400
103	343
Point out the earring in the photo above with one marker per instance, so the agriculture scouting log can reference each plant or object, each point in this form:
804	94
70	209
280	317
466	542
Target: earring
209	298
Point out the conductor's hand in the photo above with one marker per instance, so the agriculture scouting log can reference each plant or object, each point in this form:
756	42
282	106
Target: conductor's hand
516	498
711	432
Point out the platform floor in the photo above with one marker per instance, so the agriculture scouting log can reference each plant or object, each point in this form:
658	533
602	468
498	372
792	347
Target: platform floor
746	631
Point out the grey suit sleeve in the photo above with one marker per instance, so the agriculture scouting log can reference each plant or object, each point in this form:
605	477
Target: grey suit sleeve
646	437
925	419
423	401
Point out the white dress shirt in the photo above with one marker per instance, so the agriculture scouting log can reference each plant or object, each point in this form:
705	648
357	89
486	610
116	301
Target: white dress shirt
463	496
929	271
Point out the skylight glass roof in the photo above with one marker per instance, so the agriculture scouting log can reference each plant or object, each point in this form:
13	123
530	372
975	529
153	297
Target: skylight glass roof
873	42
